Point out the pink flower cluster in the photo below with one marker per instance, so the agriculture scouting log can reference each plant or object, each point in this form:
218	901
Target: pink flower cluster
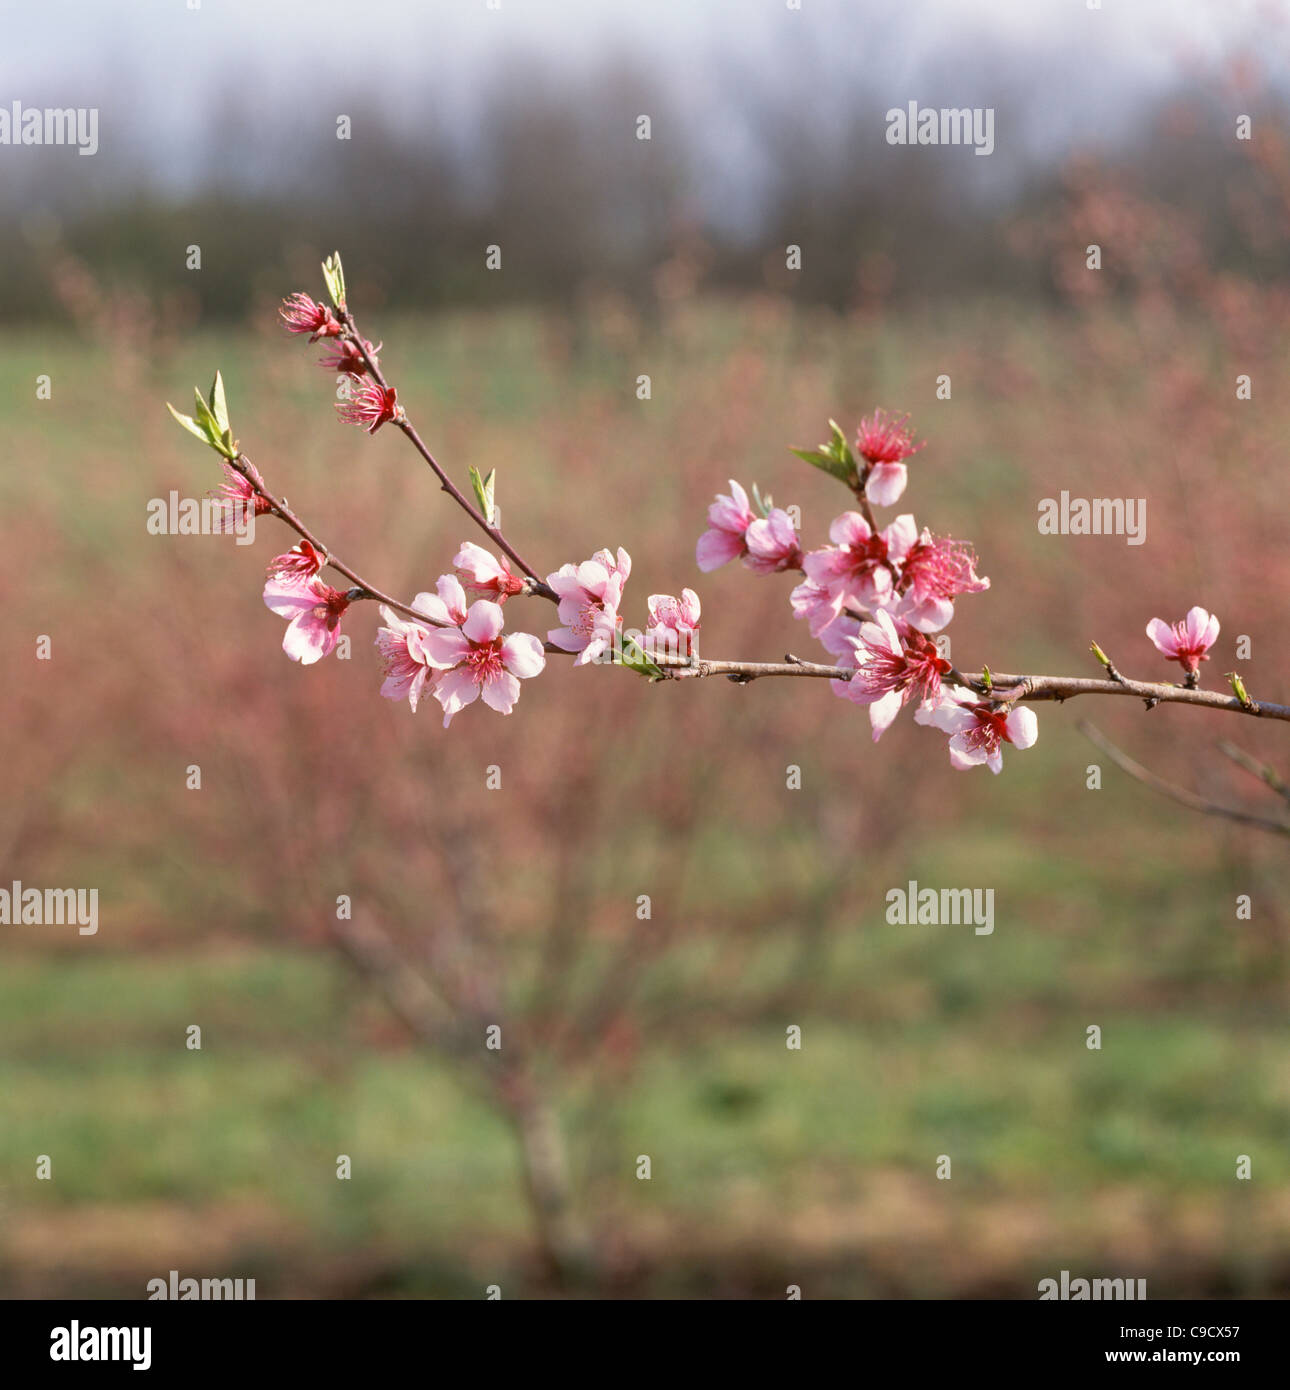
871	596
874	596
451	642
766	544
368	404
460	652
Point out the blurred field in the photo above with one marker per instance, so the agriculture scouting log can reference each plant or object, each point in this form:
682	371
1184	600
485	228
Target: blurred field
771	1167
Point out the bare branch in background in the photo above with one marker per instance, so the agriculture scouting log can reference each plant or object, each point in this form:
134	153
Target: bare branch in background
1191	800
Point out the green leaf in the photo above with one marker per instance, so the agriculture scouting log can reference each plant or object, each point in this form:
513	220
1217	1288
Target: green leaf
204	424
219	406
632	656
484	489
205	416
837	468
189	424
334	275
834	458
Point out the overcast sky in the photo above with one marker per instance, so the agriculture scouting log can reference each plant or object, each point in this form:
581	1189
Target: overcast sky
1067	74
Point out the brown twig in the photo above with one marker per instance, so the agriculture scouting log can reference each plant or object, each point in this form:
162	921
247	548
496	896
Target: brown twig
1181	795
1034	688
686	668
354	337
279	508
1268	776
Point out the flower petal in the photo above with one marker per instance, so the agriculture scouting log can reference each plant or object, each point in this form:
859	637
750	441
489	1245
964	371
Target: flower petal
501	692
882	713
445	647
717	548
1163	636
452	595
849	529
454	692
1023	726
484	621
523	655
885	483
289	596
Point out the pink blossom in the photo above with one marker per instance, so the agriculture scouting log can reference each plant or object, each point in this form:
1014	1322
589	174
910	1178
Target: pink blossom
978	729
447	606
861	564
673	623
1186	642
772	544
589	596
729	518
619	564
313	610
828	626
301	562
812	602
891	668
238	496
883	441
838	635
484	575
934	572
477	660
403	653
301	314
344	356
371	406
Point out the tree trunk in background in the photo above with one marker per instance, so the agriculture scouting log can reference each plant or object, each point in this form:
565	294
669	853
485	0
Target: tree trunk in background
566	1247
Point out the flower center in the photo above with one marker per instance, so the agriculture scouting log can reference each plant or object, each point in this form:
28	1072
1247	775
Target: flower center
916	669
484	660
333	605
867	556
585	623
941	569
991	728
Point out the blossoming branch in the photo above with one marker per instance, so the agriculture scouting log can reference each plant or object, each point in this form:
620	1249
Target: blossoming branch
874	597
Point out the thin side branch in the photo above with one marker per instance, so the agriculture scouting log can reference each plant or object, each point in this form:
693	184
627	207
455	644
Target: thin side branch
1268	776
1181	795
279	508
445	482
